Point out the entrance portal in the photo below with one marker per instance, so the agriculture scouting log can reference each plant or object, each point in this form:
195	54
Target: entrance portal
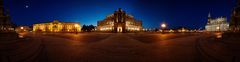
119	29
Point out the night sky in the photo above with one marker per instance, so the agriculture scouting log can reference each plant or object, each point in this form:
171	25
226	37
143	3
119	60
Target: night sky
188	13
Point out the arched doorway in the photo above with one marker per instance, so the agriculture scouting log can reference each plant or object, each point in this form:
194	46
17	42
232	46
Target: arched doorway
119	29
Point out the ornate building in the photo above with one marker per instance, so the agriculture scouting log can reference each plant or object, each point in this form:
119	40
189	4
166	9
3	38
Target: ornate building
119	21
218	24
235	18
57	26
5	23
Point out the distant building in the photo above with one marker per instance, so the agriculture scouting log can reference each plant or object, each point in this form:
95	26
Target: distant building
217	24
183	29
57	26
22	29
119	21
5	23
235	18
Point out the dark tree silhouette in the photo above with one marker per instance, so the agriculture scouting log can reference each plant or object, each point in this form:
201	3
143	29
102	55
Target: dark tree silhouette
87	28
84	28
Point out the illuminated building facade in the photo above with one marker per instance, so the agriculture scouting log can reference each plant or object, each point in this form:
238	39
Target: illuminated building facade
235	18
57	26
183	30
218	24
119	21
5	23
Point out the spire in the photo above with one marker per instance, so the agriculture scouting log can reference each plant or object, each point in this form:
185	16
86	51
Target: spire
1	8
234	12
1	3
209	15
7	12
209	18
120	9
238	2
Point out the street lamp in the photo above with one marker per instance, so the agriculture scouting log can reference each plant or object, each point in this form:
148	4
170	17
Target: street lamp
163	26
218	28
76	26
21	27
183	30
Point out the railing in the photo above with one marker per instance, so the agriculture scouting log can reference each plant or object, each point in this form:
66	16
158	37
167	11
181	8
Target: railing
31	52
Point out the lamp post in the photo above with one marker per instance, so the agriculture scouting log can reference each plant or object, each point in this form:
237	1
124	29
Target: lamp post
22	29
163	26
76	26
218	28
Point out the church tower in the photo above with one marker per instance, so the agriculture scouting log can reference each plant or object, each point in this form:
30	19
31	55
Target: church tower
119	21
238	2
1	8
235	18
5	23
209	18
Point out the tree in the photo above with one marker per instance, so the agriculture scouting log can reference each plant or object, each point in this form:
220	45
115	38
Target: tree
87	28
91	28
84	28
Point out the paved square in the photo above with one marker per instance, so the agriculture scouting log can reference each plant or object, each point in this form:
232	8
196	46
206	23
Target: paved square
107	47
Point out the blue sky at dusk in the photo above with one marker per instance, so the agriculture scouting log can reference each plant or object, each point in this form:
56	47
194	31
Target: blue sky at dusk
189	13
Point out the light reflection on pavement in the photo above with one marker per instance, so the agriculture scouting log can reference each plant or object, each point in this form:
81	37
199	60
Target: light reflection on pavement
109	47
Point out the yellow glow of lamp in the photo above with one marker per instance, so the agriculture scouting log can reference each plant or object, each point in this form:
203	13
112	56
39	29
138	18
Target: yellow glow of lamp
163	25
21	27
217	28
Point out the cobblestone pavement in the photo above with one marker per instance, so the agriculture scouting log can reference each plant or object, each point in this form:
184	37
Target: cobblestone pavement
130	47
117	47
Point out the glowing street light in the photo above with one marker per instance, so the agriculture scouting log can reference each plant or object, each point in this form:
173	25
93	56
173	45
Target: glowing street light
218	28
163	25
21	27
183	30
76	26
